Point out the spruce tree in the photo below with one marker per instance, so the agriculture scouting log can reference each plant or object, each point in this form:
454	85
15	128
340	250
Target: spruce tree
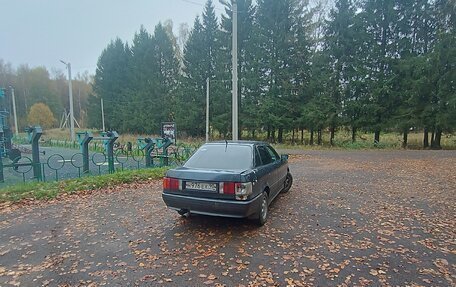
110	82
341	45
378	20
166	73
191	101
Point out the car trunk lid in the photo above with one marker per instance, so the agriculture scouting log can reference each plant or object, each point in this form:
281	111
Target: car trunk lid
205	175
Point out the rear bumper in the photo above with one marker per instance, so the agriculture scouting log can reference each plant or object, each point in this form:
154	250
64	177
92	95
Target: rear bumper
214	207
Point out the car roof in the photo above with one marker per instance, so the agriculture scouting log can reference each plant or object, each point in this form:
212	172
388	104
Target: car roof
239	142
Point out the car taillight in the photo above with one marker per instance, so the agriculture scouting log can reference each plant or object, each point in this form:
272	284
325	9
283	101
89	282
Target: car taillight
171	184
227	187
241	190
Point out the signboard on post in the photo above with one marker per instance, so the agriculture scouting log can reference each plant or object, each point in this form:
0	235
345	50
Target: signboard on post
168	130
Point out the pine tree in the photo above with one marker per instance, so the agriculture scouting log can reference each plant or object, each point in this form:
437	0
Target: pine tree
211	39
378	20
94	112
200	63
219	72
191	102
166	73
282	44
416	35
443	72
141	96
110	82
315	110
340	45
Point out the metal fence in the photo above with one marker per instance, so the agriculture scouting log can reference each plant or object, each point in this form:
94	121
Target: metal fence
59	161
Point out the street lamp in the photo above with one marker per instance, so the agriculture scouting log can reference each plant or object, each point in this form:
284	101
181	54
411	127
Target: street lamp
14	111
70	91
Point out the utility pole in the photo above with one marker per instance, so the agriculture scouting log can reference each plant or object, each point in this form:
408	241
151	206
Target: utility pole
207	110
80	114
235	127
14	111
102	115
25	99
70	90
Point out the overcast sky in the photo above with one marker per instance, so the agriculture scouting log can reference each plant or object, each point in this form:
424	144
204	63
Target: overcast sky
41	32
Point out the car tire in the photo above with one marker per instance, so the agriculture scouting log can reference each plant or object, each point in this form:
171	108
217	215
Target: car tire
264	209
288	183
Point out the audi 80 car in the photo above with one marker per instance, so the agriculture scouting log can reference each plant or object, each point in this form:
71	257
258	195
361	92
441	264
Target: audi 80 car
230	179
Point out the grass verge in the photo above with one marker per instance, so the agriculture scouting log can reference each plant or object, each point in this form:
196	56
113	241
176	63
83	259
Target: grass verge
49	190
342	140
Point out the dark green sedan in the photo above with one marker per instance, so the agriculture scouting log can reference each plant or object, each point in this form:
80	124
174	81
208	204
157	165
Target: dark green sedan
231	179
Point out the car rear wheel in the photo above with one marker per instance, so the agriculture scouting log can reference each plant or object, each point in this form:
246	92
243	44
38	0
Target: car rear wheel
264	209
288	183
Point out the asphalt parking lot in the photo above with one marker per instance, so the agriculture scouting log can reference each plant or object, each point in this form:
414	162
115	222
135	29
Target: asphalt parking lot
352	218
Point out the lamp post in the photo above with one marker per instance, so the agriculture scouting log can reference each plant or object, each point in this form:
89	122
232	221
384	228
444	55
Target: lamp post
70	91
14	111
102	115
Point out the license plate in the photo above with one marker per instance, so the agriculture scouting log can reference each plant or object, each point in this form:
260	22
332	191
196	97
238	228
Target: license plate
201	186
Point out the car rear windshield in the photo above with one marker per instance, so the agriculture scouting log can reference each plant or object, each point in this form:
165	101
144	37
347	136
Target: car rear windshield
222	157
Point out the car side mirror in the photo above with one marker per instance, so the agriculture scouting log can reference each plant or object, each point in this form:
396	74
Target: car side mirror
284	157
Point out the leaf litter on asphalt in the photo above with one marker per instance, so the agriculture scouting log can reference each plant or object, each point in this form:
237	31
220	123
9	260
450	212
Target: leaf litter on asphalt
351	219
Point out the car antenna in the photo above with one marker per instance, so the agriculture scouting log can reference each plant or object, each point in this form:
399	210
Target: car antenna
226	144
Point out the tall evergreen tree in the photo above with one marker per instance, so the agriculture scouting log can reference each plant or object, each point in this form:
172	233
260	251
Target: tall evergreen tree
382	64
167	73
200	63
341	45
317	107
416	29
191	101
110	80
379	20
140	96
139	84
303	31
211	39
279	49
443	72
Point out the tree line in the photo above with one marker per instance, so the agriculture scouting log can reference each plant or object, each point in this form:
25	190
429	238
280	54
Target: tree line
41	96
368	65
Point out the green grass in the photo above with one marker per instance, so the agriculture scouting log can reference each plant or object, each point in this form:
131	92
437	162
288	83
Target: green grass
50	190
364	140
391	141
343	145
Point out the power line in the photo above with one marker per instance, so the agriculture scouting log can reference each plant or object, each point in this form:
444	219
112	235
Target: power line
193	2
239	11
215	8
200	4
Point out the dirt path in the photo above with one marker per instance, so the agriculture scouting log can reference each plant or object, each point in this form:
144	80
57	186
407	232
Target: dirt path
351	219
